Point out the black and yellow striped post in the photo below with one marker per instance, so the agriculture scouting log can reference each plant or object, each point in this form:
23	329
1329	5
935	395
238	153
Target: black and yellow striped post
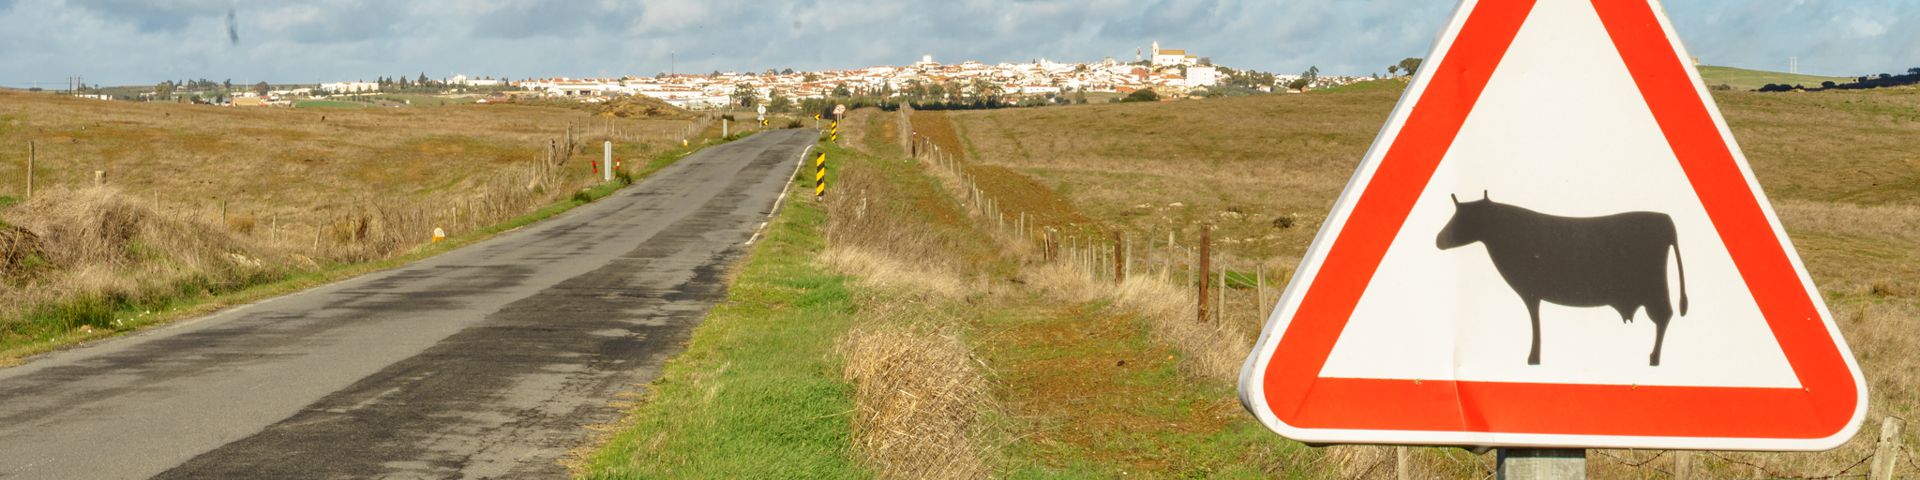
820	175
834	132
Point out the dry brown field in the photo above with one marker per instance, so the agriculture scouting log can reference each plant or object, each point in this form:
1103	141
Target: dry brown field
1842	168
199	200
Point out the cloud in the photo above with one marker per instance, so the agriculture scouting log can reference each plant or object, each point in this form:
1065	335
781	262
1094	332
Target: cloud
145	41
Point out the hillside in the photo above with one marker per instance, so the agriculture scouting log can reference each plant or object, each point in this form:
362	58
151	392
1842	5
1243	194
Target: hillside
1744	79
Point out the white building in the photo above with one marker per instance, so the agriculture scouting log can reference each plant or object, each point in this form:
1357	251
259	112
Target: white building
1171	58
349	87
1202	77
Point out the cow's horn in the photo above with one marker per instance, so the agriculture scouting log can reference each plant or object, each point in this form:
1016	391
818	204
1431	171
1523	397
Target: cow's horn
1485	196
1456	199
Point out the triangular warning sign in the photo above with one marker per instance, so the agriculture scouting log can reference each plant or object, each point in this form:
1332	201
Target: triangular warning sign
1555	242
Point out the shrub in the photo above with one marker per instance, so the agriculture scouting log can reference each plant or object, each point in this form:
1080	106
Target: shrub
1142	95
582	197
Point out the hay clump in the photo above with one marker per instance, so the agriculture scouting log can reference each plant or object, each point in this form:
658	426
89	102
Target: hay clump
918	398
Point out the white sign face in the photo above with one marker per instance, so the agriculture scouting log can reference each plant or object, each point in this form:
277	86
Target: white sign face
839	110
1555	242
763	110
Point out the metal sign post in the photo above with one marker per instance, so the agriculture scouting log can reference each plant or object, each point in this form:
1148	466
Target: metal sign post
1542	464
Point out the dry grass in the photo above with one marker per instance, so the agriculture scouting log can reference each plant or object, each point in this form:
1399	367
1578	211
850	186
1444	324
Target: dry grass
1212	350
1839	166
919	395
204	200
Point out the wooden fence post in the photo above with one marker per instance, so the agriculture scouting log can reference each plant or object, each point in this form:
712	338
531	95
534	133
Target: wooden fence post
1886	456
1119	258
1206	240
1221	307
1260	292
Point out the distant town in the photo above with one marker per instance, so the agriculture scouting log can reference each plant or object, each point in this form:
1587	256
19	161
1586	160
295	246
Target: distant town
1156	73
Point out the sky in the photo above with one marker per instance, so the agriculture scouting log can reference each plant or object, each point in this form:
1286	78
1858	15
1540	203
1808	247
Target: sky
133	42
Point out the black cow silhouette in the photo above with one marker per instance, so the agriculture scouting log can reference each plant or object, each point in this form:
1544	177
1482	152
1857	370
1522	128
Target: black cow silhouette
1617	261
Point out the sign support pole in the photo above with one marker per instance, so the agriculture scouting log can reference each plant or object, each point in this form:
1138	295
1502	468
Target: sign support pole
1542	464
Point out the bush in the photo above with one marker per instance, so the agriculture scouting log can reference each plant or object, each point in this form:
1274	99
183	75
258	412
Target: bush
1142	95
624	177
582	197
795	124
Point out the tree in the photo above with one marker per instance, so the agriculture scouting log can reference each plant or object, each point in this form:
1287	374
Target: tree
1913	71
423	80
262	88
227	85
811	77
1142	95
840	90
1828	84
1410	65
788	71
743	95
779	102
164	88
1298	84
1393	70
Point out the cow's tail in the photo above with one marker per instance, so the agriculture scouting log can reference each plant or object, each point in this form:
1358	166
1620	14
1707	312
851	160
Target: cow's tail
1683	276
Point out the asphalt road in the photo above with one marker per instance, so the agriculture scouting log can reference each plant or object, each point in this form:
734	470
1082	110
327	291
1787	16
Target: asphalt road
485	362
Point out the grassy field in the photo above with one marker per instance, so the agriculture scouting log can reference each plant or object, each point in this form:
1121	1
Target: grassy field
1744	79
756	392
1264	171
335	104
204	201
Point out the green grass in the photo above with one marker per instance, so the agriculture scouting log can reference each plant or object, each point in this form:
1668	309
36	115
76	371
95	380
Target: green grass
54	325
1142	417
329	104
1744	79
758	391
